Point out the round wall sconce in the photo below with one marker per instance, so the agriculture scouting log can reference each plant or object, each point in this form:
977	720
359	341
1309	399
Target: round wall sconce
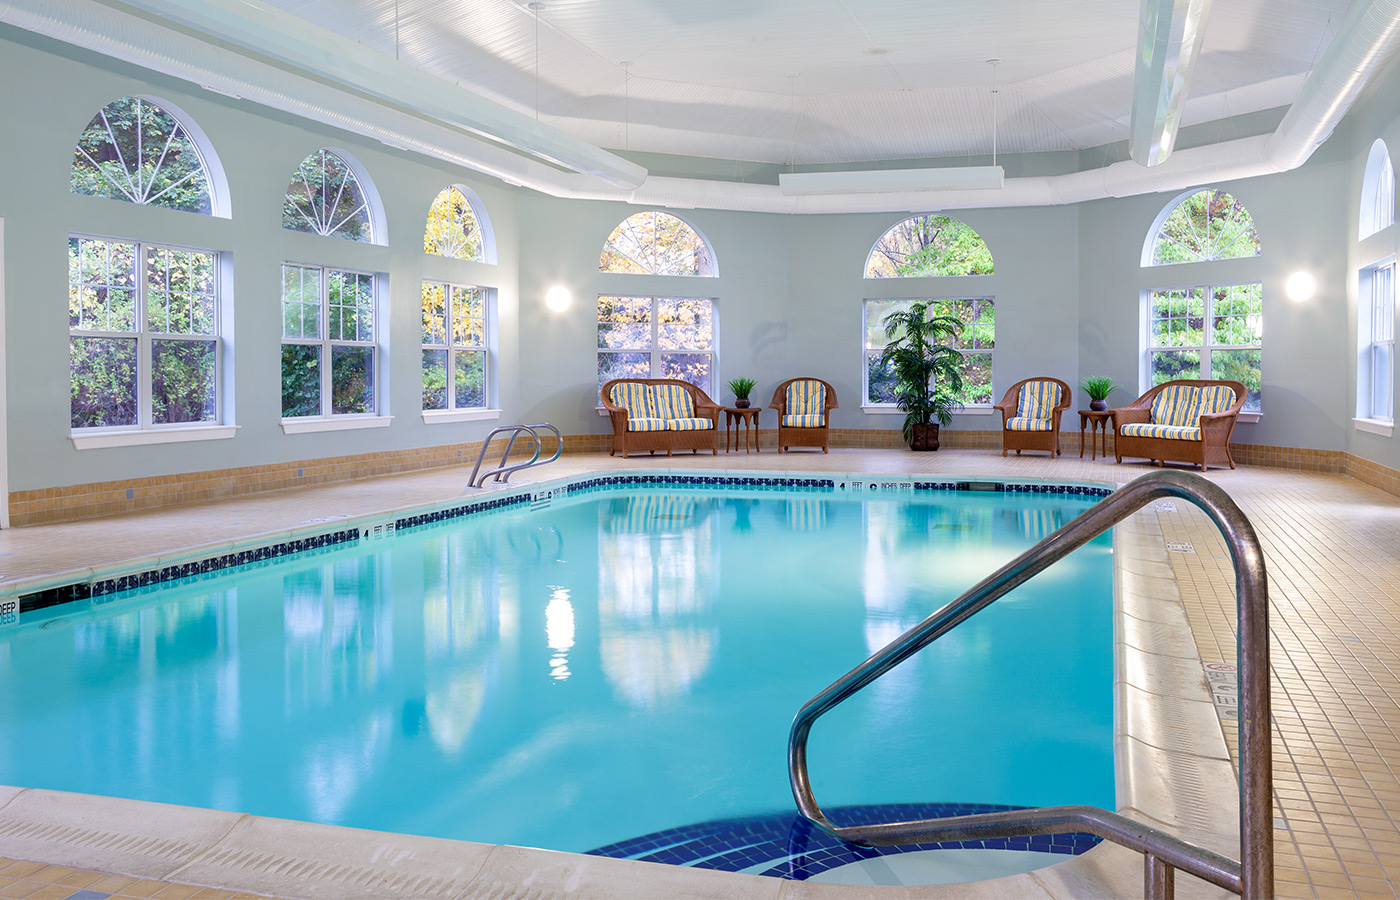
1300	286
558	298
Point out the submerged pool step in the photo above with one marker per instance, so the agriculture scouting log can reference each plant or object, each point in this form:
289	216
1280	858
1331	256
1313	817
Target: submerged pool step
785	845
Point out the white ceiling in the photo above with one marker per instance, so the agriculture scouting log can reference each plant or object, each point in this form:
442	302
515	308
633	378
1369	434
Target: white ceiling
828	81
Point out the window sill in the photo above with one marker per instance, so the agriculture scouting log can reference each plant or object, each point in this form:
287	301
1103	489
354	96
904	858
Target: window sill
445	416
896	411
340	423
102	439
1248	418
1375	426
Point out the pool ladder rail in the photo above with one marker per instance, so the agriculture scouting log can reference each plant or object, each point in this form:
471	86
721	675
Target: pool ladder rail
504	469
1253	876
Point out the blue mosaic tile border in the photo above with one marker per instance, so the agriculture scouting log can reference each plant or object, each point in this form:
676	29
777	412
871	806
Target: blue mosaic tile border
456	512
1011	487
69	593
785	845
761	482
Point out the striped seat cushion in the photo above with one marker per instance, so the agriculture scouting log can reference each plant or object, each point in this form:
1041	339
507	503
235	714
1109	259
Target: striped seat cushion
636	398
1216	398
1023	423
671	401
688	423
1037	400
647	423
1149	430
1177	405
806	398
816	421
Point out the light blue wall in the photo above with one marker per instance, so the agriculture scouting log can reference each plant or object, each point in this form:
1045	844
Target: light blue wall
1068	281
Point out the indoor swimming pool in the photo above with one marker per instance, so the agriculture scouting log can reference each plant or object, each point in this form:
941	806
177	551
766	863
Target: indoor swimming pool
616	663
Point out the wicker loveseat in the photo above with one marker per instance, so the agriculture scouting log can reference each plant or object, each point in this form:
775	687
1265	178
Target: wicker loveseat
1030	415
1188	420
804	413
660	414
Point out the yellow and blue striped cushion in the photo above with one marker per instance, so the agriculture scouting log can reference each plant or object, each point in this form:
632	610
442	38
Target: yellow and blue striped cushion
636	398
804	421
671	401
1177	405
1149	430
689	423
806	398
646	423
1216	399
1023	423
1037	400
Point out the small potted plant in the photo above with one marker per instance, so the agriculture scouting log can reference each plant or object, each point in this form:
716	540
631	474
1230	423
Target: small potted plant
1098	387
927	371
741	388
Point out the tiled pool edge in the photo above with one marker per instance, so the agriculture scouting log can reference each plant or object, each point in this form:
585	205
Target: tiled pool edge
252	854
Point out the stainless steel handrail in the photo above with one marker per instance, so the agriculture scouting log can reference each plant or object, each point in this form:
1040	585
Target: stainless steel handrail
503	471
1253	876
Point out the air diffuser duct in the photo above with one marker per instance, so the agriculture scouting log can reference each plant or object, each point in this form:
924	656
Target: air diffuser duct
1170	33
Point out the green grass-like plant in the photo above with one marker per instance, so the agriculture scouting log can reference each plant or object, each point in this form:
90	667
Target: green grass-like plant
1098	387
741	387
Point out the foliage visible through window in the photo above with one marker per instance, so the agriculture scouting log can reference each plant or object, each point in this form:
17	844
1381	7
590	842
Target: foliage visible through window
1205	226
1378	346
452	227
454	346
1208	331
656	243
656	337
326	198
975	343
1377	192
135	151
929	245
143	334
327	317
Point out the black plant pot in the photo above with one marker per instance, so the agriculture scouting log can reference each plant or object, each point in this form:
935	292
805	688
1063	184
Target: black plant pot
923	437
1098	405
741	402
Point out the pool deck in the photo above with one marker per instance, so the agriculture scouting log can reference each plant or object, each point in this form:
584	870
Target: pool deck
1331	543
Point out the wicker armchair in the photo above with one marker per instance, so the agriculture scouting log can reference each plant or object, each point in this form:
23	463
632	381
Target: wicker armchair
804	413
1030	415
660	414
1188	420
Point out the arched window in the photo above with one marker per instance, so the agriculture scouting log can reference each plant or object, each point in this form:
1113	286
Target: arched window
327	196
136	150
1377	192
1202	226
922	246
656	243
458	227
1211	328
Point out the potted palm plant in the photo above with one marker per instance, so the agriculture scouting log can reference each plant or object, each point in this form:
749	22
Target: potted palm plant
927	371
741	388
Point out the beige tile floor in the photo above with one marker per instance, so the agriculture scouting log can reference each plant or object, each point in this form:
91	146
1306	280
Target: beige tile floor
1332	546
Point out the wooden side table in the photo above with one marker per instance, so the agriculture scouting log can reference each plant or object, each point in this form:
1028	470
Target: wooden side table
734	418
1100	422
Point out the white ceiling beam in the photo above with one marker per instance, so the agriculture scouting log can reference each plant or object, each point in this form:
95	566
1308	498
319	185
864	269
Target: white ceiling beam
1170	33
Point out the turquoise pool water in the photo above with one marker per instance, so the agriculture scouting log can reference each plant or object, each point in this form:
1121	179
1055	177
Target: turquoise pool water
615	665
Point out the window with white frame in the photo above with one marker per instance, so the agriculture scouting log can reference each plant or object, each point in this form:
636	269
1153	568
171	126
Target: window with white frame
1376	375
1207	331
144	349
329	364
135	150
975	343
455	355
1377	192
657	337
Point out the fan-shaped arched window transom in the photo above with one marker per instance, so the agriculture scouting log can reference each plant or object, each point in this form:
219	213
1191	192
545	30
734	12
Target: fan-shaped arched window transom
326	197
455	227
135	150
922	246
1200	227
656	243
1377	192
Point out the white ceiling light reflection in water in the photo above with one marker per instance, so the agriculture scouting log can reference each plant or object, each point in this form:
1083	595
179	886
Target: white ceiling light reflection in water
629	662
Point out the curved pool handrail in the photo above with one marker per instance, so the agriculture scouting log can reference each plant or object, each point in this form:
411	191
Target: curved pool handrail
502	470
1253	876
